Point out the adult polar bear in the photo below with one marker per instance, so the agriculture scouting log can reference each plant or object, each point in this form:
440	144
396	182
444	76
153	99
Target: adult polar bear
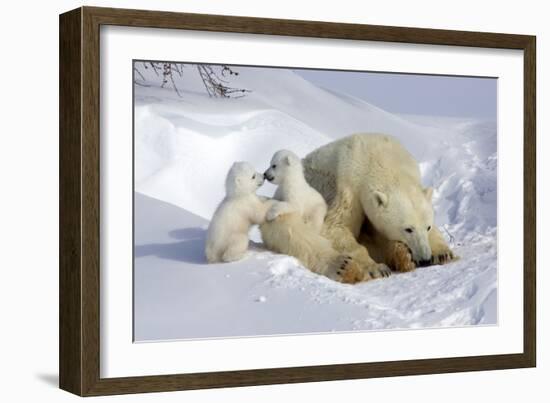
379	213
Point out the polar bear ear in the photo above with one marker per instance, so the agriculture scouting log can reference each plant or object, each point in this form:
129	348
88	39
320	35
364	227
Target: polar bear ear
429	193
288	160
380	198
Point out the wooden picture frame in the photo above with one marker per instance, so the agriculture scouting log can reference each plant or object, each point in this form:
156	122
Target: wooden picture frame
79	278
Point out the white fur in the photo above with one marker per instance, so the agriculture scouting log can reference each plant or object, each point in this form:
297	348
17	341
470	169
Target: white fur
384	179
227	238
294	193
373	188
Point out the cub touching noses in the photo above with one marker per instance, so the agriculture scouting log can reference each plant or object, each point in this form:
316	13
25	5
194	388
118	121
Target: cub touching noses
227	238
294	194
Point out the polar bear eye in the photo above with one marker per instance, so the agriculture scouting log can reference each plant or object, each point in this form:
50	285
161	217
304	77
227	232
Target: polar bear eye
254	177
409	230
274	166
429	227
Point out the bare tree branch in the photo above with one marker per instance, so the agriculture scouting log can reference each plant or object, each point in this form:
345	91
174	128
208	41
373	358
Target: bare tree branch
217	86
215	78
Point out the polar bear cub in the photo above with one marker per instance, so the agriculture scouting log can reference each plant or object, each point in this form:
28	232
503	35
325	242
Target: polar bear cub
294	194
227	238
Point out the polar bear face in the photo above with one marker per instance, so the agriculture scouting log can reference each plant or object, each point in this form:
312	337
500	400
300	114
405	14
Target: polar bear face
242	179
405	215
284	164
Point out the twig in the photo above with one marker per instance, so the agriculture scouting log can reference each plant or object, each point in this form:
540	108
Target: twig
451	237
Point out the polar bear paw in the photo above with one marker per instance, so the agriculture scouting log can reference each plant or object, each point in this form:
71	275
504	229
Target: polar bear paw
272	214
402	260
441	253
278	209
347	270
444	257
376	270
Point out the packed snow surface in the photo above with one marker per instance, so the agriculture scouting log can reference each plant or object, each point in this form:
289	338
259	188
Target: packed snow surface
184	146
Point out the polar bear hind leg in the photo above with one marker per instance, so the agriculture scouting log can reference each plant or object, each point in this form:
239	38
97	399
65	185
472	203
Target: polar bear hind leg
212	256
236	248
289	235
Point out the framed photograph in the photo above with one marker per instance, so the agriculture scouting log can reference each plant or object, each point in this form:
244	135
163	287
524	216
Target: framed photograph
249	201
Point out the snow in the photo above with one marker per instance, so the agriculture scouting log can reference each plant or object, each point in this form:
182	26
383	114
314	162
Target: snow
183	149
